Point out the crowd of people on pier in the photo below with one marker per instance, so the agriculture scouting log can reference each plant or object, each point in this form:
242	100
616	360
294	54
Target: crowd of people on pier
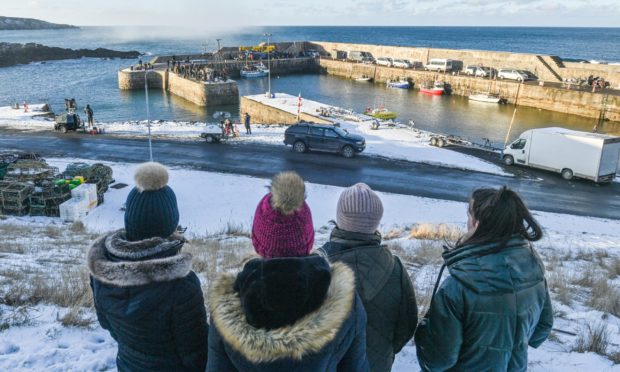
349	305
196	71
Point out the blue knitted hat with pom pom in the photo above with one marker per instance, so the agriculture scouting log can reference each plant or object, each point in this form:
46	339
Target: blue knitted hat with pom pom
151	209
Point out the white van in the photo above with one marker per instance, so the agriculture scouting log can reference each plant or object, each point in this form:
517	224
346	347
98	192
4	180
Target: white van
571	153
439	64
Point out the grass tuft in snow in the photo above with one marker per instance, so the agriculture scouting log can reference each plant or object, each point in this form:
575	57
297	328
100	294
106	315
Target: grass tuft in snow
594	338
436	231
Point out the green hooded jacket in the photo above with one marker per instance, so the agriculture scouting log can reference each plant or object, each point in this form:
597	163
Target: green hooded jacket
485	314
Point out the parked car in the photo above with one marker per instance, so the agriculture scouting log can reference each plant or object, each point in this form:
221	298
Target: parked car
323	137
485	71
385	61
471	70
417	64
404	63
359	56
512	74
439	64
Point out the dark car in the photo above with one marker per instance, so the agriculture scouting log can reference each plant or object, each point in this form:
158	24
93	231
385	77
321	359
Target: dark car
323	137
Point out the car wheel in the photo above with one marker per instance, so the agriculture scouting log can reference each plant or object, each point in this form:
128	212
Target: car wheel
433	141
501	77
348	152
508	160
210	139
520	80
441	142
299	147
567	174
63	129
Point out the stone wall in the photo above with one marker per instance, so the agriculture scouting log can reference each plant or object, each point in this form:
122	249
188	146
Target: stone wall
204	94
544	97
130	80
200	93
264	114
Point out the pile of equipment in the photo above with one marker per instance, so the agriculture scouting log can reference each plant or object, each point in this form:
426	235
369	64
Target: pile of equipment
29	186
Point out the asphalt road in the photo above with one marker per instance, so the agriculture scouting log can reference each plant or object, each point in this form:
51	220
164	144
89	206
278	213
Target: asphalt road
551	193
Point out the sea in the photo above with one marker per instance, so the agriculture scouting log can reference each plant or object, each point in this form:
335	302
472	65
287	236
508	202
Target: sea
94	81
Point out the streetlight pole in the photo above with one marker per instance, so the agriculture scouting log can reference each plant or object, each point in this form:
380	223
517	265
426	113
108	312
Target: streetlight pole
148	120
268	63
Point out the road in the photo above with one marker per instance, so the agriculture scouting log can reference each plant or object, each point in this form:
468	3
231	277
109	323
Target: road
541	191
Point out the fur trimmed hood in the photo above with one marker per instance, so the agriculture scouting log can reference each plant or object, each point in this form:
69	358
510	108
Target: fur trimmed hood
137	263
307	335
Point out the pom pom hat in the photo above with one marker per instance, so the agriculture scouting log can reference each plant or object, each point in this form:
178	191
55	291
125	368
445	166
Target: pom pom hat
151	209
283	223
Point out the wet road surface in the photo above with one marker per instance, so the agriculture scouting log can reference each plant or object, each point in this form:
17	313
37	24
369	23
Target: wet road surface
541	191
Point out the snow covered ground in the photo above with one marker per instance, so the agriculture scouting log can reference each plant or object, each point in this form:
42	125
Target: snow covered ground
574	249
397	143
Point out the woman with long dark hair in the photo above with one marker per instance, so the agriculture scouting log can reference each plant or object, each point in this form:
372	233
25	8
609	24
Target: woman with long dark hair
495	302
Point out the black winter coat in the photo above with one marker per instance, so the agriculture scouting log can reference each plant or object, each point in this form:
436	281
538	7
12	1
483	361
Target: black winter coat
287	314
486	313
385	289
151	302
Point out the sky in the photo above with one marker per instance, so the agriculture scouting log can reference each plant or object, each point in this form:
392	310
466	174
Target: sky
222	14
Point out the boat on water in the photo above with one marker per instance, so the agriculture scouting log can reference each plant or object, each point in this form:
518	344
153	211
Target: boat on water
437	89
380	113
363	78
221	115
254	71
485	97
399	84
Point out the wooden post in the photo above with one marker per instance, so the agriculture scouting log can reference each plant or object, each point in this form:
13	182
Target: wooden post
514	113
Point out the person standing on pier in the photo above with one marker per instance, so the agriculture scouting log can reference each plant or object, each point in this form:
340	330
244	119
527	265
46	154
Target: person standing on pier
246	122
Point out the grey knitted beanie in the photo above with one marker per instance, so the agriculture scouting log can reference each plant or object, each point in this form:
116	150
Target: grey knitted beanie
359	209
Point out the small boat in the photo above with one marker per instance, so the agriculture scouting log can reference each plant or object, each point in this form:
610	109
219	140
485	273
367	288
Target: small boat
380	113
254	71
221	115
363	78
436	90
399	84
485	97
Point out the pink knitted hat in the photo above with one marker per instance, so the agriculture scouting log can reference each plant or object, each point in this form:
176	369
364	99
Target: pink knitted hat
283	222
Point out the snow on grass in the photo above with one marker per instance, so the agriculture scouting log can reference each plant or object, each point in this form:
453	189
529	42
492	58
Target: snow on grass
218	211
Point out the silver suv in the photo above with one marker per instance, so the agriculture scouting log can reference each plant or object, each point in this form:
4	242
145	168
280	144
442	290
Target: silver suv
512	74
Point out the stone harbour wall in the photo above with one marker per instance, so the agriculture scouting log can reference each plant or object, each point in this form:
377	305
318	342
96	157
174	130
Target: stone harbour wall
264	114
200	93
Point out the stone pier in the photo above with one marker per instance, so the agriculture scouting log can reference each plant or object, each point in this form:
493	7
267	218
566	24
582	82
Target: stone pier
198	92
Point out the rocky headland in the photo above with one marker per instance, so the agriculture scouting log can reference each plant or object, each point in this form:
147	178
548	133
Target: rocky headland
14	54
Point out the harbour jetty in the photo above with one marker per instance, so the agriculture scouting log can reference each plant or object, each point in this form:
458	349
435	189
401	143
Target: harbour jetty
201	93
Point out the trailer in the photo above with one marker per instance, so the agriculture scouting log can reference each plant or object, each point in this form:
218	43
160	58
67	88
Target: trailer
571	153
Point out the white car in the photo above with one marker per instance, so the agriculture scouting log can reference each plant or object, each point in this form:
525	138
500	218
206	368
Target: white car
385	61
404	63
512	74
485	71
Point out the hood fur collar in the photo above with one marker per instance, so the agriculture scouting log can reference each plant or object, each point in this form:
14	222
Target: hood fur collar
136	273
306	336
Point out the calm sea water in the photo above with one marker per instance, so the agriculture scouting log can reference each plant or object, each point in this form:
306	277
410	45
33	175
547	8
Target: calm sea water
94	81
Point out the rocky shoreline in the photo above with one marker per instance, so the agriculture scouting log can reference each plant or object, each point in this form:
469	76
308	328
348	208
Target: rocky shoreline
14	54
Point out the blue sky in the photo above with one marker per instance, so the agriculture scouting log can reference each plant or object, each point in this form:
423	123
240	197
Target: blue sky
206	14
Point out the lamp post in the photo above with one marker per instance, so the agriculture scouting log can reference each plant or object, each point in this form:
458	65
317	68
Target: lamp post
148	120
268	35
